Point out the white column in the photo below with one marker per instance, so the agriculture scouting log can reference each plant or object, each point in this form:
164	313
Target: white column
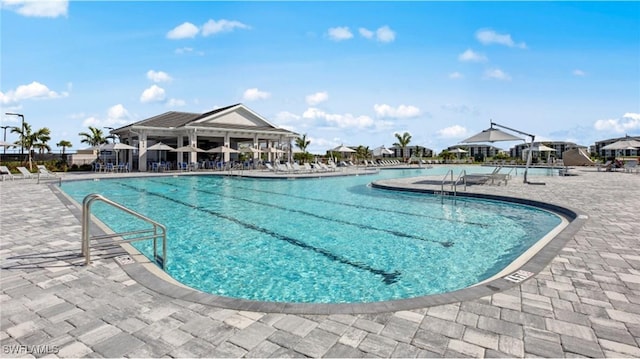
256	145
227	143
142	151
193	141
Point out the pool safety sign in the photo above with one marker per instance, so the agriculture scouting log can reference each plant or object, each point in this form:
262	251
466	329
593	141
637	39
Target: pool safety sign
519	276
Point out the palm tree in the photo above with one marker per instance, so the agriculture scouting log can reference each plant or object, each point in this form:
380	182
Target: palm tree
302	143
403	141
94	137
29	140
362	152
64	144
40	139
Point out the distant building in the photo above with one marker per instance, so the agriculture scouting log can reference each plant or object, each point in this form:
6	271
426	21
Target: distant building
559	147
411	151
479	152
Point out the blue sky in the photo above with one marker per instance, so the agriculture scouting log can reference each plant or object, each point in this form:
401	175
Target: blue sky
341	72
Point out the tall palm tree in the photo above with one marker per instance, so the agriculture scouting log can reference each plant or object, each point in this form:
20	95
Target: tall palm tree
64	144
302	143
29	140
403	141
93	138
362	152
40	139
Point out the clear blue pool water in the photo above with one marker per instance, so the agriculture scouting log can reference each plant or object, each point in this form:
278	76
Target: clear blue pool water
327	240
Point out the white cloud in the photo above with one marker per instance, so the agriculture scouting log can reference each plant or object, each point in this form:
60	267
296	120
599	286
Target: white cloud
497	74
456	75
578	72
367	34
158	76
317	98
340	33
175	102
488	37
472	56
117	115
253	94
34	90
284	117
184	31
455	131
213	27
188	50
38	8
385	34
629	122
382	34
91	121
346	121
402	111
154	93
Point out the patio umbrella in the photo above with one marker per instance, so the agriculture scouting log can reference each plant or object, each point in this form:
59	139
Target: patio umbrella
116	147
343	149
187	149
379	151
494	135
542	148
491	135
160	147
6	144
458	151
222	149
250	150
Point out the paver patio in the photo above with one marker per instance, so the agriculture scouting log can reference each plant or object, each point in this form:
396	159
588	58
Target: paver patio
586	302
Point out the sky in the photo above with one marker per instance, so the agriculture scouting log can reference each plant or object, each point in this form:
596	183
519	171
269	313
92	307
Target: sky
352	73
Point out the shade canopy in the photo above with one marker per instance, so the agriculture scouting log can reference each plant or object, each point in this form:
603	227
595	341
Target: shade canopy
626	144
250	150
222	149
116	147
379	151
542	148
188	148
491	135
458	150
160	147
344	149
6	144
272	150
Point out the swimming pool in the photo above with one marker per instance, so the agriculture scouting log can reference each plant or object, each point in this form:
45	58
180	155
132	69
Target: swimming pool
326	240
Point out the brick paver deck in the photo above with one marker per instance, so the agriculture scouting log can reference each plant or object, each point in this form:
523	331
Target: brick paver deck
586	302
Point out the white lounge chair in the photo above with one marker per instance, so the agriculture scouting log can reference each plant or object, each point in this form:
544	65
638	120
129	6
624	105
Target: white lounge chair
25	173
44	172
4	171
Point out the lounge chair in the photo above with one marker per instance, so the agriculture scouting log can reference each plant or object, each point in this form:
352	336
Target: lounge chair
25	172
4	171
44	172
630	166
482	178
269	167
606	166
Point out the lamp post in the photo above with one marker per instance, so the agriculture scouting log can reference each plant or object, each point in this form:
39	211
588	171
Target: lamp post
5	137
21	130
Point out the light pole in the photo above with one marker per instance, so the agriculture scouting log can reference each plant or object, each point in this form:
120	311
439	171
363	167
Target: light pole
5	137
21	130
113	137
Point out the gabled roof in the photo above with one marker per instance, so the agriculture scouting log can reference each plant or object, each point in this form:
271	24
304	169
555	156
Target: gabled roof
166	120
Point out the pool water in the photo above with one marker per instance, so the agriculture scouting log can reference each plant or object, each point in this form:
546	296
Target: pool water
324	240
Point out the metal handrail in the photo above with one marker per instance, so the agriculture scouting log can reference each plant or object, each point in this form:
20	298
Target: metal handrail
463	176
86	216
444	179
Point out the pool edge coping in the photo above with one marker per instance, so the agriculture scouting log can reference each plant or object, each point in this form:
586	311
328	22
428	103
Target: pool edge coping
153	278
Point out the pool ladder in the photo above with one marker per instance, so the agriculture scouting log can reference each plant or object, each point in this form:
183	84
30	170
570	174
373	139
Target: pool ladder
454	184
157	231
